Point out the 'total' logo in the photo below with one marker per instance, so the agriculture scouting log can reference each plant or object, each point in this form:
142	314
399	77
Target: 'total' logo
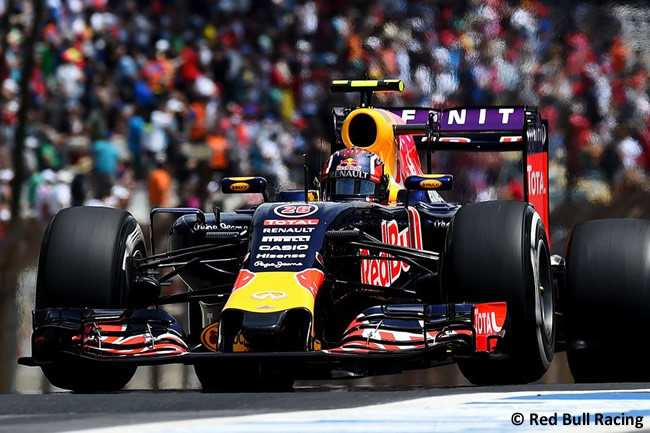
300	222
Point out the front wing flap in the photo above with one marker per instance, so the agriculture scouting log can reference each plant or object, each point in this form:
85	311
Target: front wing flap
106	334
464	328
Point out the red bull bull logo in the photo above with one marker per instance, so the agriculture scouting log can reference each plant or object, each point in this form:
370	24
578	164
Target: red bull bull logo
349	164
380	272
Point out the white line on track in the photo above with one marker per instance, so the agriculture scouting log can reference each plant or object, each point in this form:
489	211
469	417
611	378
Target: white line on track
474	412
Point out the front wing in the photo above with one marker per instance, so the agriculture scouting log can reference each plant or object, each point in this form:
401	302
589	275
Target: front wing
382	339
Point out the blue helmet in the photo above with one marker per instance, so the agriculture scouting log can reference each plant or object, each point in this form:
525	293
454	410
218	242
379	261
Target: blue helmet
355	174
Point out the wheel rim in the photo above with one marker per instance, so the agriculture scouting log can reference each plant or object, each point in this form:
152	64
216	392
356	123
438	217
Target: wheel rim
544	288
543	291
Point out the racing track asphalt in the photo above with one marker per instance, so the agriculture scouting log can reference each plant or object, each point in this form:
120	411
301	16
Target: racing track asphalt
66	411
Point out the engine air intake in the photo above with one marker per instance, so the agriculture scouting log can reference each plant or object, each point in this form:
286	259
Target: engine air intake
362	130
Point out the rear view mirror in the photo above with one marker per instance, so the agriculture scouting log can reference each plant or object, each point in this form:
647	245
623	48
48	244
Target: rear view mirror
243	185
427	182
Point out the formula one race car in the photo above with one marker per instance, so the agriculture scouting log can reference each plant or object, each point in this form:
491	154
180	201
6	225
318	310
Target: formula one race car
373	274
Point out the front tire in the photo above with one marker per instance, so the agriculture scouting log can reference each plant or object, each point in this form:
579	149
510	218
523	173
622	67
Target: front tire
241	379
86	376
82	264
498	251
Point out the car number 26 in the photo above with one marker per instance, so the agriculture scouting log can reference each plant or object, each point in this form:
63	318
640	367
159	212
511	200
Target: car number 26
295	211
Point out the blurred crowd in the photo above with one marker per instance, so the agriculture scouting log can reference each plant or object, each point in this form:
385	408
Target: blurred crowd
167	96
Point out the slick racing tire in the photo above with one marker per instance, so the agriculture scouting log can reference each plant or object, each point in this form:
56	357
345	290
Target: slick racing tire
241	379
82	264
608	300
88	376
498	251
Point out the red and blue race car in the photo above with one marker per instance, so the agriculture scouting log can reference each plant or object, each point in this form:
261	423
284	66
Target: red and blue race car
374	273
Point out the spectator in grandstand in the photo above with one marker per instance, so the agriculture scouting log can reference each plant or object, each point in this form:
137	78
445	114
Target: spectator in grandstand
160	183
246	82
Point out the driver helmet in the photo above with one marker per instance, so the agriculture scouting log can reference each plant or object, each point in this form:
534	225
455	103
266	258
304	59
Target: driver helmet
355	174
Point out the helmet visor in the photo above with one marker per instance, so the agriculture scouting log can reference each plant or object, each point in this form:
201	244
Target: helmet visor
351	187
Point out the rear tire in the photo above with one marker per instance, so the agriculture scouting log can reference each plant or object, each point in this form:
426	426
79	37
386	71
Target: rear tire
498	251
82	264
608	300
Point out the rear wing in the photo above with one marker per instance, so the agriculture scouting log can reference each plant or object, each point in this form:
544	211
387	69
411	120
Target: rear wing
480	129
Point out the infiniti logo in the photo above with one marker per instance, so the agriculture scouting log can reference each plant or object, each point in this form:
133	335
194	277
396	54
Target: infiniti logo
260	296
